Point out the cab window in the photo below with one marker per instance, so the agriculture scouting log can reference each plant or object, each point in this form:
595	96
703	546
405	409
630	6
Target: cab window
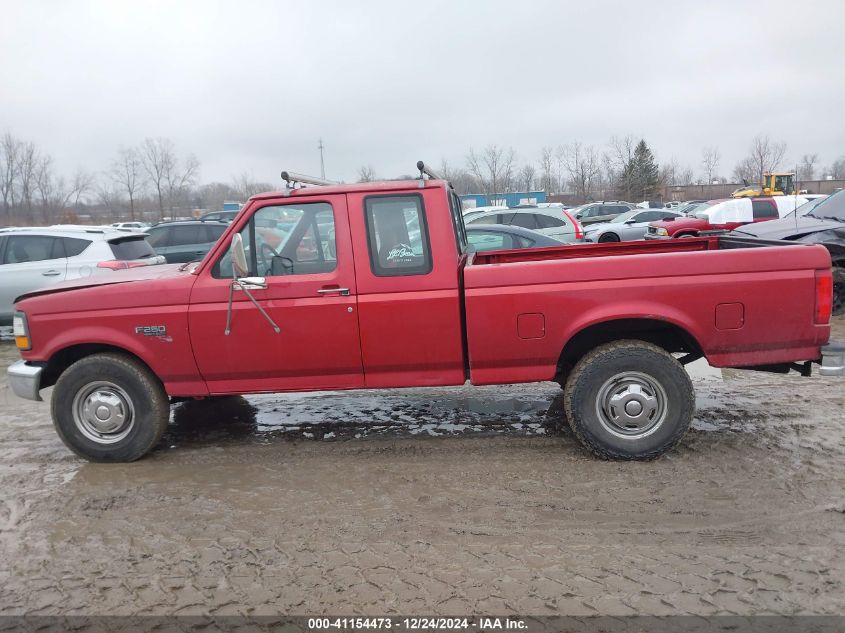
287	240
397	235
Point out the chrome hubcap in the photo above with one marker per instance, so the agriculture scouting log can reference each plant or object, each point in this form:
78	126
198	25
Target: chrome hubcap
631	405
103	412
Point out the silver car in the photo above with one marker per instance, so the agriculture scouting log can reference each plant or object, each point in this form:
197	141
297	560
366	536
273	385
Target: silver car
32	258
553	222
628	226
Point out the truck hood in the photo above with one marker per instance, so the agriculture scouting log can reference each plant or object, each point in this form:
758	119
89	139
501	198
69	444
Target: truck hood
788	228
141	273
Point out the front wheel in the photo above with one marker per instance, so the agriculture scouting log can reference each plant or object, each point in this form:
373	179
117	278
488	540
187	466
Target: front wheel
609	237
629	400
109	408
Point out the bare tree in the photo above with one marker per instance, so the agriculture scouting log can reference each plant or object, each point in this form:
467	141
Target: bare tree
180	178
9	150
837	169
619	156
583	168
46	188
710	157
127	173
763	155
27	163
158	158
526	177
745	170
366	173
807	169
493	168
247	186
110	195
83	183
546	161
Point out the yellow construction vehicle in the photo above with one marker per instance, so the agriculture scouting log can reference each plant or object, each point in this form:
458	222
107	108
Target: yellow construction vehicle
774	184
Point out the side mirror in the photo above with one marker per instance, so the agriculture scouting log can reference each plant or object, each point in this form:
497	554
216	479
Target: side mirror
238	256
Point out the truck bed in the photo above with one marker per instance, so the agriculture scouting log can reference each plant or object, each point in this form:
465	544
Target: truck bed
743	302
613	249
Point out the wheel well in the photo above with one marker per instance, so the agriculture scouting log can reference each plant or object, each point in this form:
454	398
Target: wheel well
66	357
669	336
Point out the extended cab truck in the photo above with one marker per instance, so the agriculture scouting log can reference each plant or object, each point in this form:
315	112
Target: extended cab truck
724	215
372	285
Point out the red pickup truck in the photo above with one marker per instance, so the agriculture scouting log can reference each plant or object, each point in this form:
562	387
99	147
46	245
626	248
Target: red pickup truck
724	215
373	285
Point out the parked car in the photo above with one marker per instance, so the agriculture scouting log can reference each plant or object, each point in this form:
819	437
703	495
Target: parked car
552	222
130	226
724	215
819	221
689	207
599	211
223	216
185	241
368	306
34	258
631	225
499	237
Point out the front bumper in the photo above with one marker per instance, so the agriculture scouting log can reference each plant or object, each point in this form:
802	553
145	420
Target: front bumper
25	380
833	359
652	236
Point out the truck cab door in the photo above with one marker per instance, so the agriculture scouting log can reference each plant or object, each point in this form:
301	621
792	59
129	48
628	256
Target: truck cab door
409	253
301	247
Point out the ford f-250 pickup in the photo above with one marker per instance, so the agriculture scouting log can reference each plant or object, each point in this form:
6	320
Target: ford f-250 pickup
372	285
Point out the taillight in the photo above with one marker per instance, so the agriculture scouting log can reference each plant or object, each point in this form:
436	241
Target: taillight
116	264
824	296
579	232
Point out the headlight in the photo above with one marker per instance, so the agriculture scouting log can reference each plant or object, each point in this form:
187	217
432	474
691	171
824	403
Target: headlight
662	231
21	332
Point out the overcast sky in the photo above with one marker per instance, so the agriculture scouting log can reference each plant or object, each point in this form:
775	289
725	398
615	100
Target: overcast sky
251	86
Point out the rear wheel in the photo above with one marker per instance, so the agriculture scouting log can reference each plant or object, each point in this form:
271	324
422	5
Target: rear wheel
609	237
629	400
838	290
109	408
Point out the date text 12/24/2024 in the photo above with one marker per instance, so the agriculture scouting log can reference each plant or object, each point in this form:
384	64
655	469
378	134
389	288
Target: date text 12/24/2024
416	624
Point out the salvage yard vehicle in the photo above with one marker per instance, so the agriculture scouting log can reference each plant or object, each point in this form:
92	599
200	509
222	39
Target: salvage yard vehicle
819	221
554	222
374	287
39	257
600	212
631	225
499	237
774	184
724	215
185	240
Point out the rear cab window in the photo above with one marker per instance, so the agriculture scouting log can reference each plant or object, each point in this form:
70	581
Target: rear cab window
397	235
763	209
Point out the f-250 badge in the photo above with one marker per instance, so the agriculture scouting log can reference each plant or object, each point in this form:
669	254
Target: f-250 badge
151	330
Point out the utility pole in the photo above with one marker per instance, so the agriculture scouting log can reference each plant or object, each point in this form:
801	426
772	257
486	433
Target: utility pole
322	164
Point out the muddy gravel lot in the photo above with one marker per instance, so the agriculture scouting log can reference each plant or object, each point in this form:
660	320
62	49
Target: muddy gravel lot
435	501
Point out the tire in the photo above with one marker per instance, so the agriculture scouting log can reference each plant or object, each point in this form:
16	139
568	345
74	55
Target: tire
613	376
131	397
609	237
683	235
838	306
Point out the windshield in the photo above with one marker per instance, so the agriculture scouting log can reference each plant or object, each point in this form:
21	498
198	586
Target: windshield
701	210
624	217
831	208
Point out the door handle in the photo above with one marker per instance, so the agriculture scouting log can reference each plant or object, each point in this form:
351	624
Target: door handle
51	273
340	291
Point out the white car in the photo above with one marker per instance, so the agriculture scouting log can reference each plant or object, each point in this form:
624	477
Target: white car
553	222
32	258
130	226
